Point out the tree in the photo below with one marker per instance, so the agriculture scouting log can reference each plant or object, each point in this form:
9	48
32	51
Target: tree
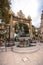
26	29
20	14
4	10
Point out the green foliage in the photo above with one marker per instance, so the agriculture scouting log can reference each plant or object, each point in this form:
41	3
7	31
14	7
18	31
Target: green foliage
33	26
16	28
26	29
4	10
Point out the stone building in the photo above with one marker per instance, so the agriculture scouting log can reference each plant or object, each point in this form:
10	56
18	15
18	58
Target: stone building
41	26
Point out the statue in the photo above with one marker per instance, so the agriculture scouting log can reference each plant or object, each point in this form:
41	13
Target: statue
22	30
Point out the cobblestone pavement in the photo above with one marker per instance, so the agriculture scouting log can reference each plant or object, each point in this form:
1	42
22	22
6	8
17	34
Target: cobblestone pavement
12	58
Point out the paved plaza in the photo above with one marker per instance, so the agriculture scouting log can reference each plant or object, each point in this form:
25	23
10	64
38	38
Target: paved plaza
12	58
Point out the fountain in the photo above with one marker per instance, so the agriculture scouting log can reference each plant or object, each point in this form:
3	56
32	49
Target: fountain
23	41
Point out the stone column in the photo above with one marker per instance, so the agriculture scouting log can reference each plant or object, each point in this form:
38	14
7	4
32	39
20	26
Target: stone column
11	28
30	30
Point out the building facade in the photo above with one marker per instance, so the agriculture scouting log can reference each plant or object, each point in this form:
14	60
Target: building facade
41	26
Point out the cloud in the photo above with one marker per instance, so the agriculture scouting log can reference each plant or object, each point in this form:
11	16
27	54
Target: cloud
29	7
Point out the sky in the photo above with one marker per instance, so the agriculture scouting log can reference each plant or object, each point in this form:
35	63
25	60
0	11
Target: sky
31	8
